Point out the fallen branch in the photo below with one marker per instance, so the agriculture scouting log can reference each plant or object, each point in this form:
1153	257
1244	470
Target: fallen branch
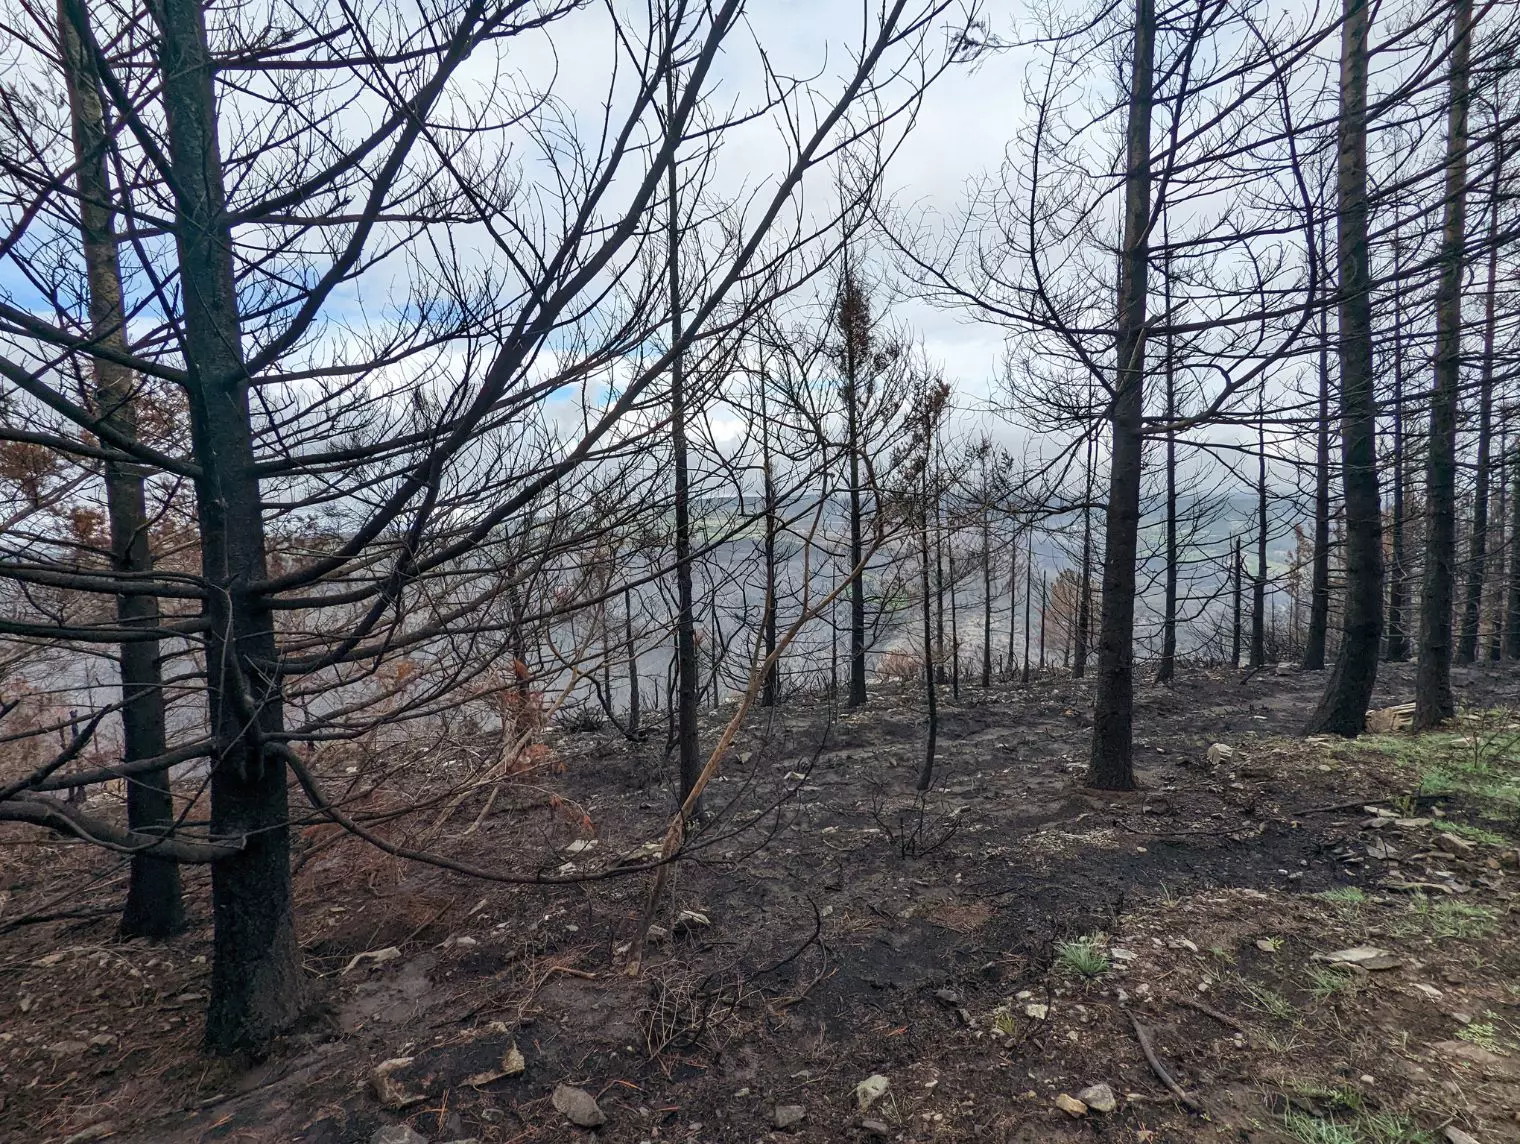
1223	1018
1142	1034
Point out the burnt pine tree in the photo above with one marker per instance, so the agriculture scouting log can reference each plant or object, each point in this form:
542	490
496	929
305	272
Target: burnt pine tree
1342	709
154	907
1319	577
1477	558
1433	699
688	682
1111	766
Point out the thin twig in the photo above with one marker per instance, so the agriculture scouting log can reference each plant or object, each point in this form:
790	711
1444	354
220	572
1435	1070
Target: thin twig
1144	1037
1207	1011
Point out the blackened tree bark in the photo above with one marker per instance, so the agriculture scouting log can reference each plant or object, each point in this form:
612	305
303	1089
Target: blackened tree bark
986	590
1237	572
1259	581
1319	576
1084	592
1512	608
1397	649
1168	665
931	694
854	322
1343	708
154	905
1477	558
1028	597
688	681
1433	702
257	989
1112	763
635	699
768	694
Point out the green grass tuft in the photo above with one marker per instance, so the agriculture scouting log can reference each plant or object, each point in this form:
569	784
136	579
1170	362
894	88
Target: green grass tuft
1084	955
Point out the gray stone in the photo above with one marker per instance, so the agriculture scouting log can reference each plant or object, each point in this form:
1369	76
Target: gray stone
875	1127
397	1134
578	1106
1455	1135
788	1116
1099	1098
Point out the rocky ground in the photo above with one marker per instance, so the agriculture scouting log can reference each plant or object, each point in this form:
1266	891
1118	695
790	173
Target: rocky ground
1279	940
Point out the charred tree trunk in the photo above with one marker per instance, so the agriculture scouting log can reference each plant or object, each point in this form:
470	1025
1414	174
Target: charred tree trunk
257	989
1433	702
1259	581
634	698
1028	596
1112	761
768	694
154	905
986	598
1237	570
1084	593
1397	640
1343	708
1477	559
688	680
1168	666
1512	609
931	697
1319	577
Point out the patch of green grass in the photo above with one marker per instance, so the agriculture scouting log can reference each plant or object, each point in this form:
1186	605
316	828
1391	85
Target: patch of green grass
1003	1022
1481	1033
1268	1001
1390	1128
1308	1129
1274	943
1471	833
1223	954
1084	955
1344	896
1327	982
1454	919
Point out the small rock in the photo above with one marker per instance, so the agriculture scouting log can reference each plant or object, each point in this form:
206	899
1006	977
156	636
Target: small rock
397	1134
788	1116
374	956
1286	669
1037	1010
870	1090
1070	1105
512	1064
1220	753
688	920
948	996
1455	1135
388	1088
1429	990
1099	1098
578	1106
1366	956
875	1128
1452	844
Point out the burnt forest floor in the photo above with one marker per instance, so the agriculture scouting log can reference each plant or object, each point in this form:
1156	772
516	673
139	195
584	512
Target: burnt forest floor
988	950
